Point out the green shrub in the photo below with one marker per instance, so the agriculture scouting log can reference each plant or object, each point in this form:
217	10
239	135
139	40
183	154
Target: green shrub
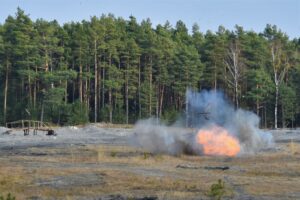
217	190
8	197
78	114
119	116
147	155
113	154
104	114
170	116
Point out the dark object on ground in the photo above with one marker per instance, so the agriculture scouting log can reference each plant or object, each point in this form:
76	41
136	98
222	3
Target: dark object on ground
120	197
147	198
51	133
26	131
187	166
217	168
7	132
113	197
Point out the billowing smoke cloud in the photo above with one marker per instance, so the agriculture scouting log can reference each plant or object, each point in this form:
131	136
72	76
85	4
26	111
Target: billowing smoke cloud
203	111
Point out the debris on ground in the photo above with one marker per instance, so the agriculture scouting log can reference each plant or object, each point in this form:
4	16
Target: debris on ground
216	168
7	132
121	197
51	133
187	166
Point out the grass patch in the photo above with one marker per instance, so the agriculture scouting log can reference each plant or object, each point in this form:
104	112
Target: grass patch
8	197
113	154
219	190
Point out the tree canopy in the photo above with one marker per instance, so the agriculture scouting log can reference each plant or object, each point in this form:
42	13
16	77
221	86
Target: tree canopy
109	69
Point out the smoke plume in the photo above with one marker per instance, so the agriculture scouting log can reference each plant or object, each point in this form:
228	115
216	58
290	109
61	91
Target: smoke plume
212	127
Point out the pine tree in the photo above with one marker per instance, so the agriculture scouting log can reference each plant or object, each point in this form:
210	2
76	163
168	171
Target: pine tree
118	70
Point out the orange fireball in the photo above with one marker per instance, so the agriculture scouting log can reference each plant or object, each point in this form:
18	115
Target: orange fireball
216	140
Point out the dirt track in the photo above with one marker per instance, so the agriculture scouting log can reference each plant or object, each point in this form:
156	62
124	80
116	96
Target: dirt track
97	163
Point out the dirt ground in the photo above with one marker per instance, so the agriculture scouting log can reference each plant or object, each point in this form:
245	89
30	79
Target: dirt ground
95	162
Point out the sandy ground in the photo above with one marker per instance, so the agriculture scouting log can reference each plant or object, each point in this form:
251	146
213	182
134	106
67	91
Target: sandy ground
93	162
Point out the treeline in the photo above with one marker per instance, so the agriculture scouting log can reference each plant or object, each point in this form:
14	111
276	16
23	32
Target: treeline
113	70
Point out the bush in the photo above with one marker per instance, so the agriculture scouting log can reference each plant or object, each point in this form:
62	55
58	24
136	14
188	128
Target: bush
104	114
119	116
217	190
78	114
8	197
170	116
113	154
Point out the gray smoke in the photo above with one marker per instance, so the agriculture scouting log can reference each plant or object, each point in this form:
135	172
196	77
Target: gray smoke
202	110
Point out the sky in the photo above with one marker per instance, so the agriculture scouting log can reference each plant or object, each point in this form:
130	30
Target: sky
208	14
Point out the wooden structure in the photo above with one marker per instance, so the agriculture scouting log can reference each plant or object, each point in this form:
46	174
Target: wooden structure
27	125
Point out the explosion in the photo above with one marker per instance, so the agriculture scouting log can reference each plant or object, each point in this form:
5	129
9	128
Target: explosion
218	141
222	129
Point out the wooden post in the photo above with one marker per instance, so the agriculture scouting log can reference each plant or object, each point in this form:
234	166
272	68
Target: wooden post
22	124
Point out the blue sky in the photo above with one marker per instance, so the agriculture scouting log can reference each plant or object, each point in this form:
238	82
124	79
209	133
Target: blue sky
209	14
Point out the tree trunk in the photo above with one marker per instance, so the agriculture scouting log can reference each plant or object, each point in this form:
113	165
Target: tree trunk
103	86
66	92
236	95
110	104
282	116
80	78
99	84
29	80
34	90
257	104
110	93
276	104
161	100
150	87
265	107
233	67
186	111
73	85
96	82
126	91
29	88
157	104
235	64
80	83
139	90
87	90
215	77
278	77
42	113
5	93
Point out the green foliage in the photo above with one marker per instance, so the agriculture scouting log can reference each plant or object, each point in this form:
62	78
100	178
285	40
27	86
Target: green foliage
78	114
260	85
54	96
146	155
104	114
116	70
113	154
170	116
8	197
119	116
288	100
217	190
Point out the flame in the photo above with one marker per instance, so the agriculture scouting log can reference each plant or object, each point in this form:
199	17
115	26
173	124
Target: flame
217	140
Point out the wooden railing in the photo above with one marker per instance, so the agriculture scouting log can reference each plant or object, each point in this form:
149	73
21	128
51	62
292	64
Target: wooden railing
26	125
29	124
